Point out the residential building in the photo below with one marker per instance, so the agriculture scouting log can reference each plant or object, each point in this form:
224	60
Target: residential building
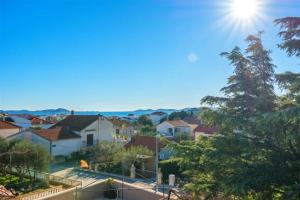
122	126
37	122
91	128
194	122
157	117
205	131
20	121
57	141
146	141
7	129
171	127
71	134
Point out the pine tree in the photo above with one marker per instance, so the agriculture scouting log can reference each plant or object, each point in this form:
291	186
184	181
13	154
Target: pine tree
290	33
261	62
289	81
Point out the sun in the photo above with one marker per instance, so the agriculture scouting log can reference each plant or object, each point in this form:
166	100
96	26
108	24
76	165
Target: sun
244	9
242	17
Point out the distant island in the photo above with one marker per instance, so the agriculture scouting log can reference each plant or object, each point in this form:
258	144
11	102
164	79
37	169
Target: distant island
63	111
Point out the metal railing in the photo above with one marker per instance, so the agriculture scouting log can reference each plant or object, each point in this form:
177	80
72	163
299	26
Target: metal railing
52	178
64	181
37	195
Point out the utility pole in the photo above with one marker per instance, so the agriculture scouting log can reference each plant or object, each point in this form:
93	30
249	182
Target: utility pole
156	161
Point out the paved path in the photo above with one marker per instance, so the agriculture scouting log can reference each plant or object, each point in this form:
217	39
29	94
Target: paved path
88	178
85	177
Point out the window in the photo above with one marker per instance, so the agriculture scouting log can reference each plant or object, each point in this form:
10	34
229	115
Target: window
177	130
89	139
170	130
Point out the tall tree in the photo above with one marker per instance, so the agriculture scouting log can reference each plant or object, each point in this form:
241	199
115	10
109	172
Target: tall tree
290	34
239	94
258	154
289	81
263	69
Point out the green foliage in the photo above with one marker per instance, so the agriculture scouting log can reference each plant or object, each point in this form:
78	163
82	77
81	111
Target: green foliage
178	115
263	73
22	156
145	126
168	167
257	155
148	130
131	156
290	33
107	154
180	136
143	120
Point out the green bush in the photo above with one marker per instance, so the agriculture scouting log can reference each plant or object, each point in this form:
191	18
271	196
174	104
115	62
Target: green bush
168	167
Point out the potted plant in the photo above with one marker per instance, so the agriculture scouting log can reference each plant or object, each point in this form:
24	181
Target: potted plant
111	189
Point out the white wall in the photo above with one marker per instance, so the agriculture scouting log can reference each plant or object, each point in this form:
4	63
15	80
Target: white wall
28	135
163	128
59	147
8	132
65	147
102	129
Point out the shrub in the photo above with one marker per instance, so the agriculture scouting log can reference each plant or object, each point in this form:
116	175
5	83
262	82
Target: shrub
168	167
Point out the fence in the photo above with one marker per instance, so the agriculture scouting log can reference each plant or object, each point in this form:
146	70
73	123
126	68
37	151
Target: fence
61	181
51	178
44	193
64	181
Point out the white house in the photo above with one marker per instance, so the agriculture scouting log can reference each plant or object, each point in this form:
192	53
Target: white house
71	134
171	127
8	129
91	128
156	117
57	141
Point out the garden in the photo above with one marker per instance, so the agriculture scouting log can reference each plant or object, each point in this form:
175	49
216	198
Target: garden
113	157
20	164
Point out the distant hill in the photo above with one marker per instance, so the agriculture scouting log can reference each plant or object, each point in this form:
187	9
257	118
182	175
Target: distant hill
58	111
62	111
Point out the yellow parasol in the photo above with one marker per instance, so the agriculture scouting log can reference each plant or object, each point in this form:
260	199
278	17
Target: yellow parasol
84	164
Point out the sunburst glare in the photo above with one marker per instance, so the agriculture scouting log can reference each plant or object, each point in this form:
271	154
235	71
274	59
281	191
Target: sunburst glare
242	15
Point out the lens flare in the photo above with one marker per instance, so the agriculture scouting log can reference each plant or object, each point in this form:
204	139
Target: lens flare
244	9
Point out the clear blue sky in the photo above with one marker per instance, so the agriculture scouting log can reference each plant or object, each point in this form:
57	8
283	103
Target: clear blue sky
124	54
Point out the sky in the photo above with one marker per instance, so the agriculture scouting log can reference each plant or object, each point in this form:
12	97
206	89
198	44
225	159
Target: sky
103	55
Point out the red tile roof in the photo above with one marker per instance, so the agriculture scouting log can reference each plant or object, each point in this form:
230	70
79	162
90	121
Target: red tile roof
57	133
178	123
206	129
38	121
8	125
192	120
77	122
146	141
